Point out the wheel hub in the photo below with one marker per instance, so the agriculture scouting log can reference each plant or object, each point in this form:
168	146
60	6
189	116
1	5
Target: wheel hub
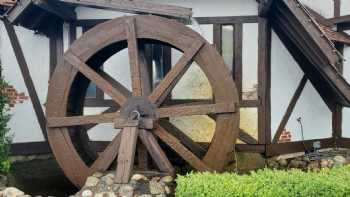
142	105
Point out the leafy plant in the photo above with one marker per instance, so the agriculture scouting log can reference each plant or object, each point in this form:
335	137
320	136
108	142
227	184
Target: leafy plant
266	183
5	138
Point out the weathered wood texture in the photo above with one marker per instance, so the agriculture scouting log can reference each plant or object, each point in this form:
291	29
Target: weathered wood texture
136	7
294	22
85	57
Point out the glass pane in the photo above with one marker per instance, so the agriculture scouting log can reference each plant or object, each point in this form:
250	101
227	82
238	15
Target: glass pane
204	30
198	128
227	45
250	61
91	91
249	121
194	84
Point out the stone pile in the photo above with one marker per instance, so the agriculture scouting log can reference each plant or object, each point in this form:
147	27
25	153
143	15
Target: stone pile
312	161
102	185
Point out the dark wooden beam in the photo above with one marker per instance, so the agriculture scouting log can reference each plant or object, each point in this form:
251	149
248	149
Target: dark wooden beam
340	19
227	19
264	7
264	84
56	8
136	7
26	76
299	146
337	7
290	109
56	45
17	10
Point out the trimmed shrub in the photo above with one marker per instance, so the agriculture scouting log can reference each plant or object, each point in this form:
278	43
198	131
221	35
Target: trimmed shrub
5	138
266	183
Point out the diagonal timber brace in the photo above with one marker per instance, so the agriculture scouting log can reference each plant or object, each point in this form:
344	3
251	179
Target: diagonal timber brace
26	76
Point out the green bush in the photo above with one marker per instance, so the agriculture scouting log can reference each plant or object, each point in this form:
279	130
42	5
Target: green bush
5	139
266	183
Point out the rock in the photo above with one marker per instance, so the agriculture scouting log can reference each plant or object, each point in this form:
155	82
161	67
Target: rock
87	193
145	195
91	181
156	188
313	165
109	180
98	174
161	195
324	163
105	194
330	163
126	191
12	192
272	164
283	162
295	163
339	160
167	179
139	177
167	190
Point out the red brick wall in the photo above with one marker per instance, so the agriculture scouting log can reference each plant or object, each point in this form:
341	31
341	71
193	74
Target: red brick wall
14	96
286	136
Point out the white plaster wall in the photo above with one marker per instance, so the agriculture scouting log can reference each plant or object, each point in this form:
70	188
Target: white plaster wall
24	125
344	7
323	7
285	77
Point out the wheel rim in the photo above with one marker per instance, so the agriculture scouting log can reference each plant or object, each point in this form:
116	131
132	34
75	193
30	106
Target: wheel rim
131	30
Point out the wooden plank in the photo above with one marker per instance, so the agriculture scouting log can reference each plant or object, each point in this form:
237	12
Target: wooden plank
142	156
264	7
26	77
174	111
194	147
180	149
245	137
82	120
14	13
100	82
174	75
337	8
217	37
290	109
264	82
137	7
293	147
237	71
134	59
340	19
57	9
156	152
126	154
106	158
56	46
226	19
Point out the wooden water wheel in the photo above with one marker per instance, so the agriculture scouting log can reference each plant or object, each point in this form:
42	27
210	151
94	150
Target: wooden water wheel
141	112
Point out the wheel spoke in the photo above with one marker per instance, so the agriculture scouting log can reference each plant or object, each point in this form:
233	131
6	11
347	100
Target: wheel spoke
100	82
196	109
194	147
115	83
170	80
156	152
134	58
109	110
106	158
126	154
180	149
82	120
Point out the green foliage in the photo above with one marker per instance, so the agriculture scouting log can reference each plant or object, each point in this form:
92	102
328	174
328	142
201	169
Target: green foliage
5	138
266	183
